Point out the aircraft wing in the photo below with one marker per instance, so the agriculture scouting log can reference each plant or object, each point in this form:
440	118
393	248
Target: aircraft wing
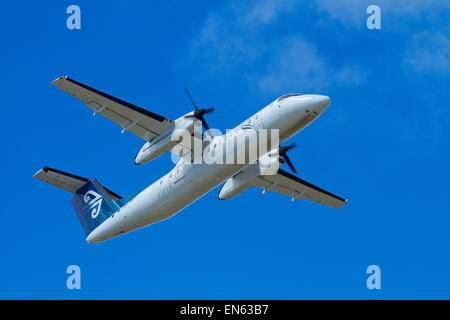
143	123
66	181
285	183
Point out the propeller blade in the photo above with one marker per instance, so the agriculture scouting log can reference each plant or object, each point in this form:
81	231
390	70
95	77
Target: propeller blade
282	152
291	146
190	98
209	110
199	113
204	124
289	163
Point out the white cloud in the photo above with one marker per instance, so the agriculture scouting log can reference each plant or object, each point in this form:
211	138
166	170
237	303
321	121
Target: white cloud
238	39
294	67
346	11
413	8
267	11
353	12
429	52
298	66
234	32
351	75
233	38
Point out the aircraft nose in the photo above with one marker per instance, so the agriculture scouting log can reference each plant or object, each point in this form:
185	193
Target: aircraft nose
324	100
298	104
321	103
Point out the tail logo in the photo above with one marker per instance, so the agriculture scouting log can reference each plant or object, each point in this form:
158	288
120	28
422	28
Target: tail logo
94	201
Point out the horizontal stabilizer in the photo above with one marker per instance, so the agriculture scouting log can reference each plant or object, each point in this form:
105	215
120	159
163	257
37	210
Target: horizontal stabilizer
66	181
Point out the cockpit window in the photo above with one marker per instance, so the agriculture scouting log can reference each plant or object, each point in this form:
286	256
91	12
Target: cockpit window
289	95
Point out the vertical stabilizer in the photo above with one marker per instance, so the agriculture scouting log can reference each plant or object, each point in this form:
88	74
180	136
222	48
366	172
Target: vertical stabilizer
93	205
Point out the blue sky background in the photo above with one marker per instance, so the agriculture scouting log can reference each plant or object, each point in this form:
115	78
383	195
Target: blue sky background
383	143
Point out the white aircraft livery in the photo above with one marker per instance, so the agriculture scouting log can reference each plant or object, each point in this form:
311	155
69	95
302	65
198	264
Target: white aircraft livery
104	214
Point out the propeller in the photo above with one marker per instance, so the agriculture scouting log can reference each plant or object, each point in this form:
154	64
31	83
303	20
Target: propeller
282	152
199	113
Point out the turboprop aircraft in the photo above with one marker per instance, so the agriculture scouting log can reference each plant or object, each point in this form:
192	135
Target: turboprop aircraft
104	214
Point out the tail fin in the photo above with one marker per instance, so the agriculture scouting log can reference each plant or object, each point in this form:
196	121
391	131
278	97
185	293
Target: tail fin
92	202
93	205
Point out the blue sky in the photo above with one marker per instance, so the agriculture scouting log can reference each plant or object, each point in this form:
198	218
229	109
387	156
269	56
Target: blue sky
382	143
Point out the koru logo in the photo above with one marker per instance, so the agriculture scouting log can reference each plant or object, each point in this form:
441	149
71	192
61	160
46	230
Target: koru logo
94	201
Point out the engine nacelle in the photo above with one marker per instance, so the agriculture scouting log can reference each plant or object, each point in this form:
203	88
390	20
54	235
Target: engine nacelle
266	165
239	183
165	141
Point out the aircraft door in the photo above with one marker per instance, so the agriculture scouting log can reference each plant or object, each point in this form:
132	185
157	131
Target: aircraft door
165	186
257	122
176	175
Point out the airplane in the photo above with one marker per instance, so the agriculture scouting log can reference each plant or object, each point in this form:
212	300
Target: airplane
104	214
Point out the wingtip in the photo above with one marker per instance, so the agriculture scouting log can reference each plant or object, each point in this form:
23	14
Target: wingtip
345	202
39	173
60	78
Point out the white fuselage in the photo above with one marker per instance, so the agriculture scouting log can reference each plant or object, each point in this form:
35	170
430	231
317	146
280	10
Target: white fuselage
187	182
